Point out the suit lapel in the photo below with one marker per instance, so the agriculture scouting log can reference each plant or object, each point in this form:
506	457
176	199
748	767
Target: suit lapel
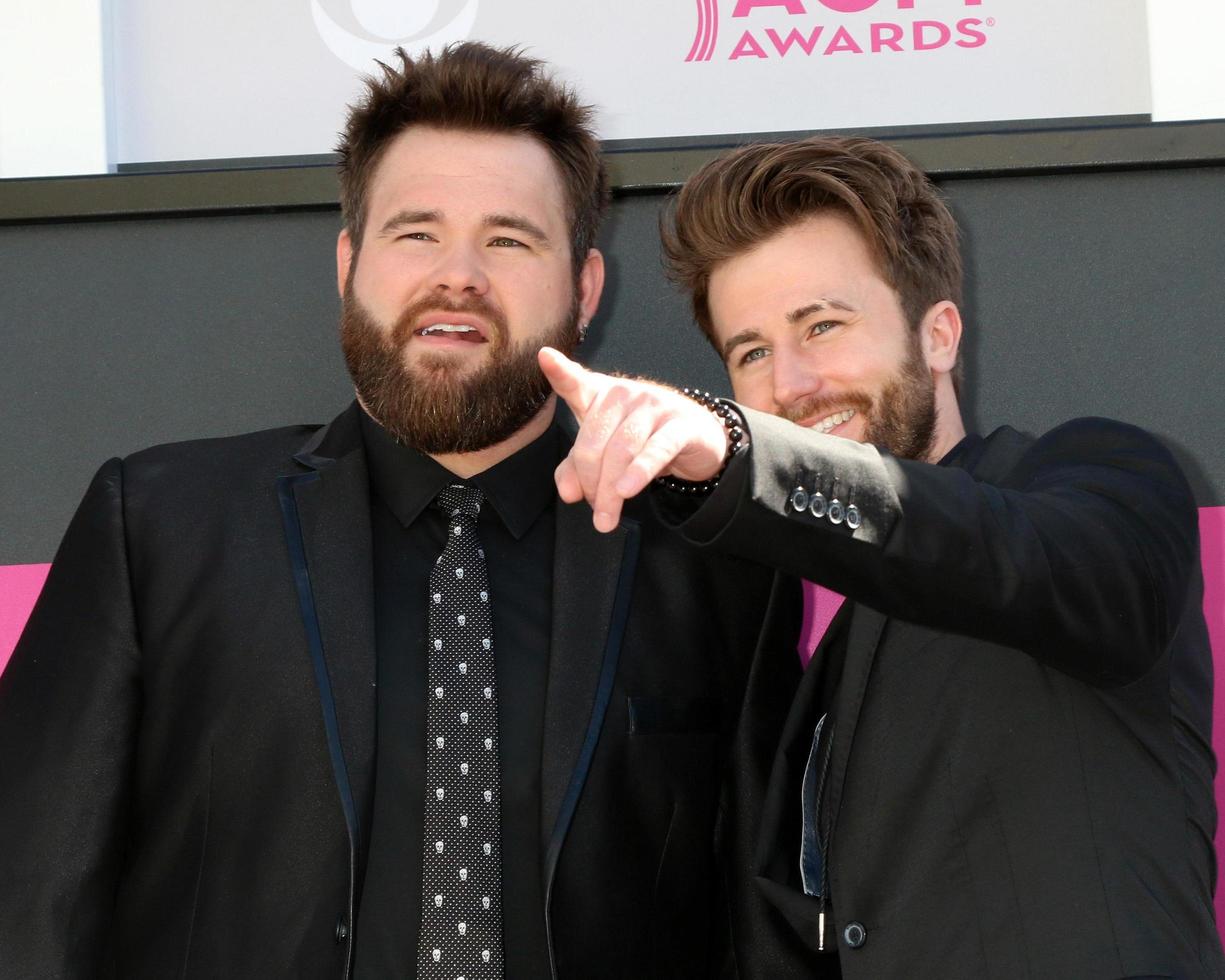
863	639
327	522
592	580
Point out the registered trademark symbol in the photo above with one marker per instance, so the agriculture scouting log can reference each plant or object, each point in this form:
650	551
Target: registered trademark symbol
990	21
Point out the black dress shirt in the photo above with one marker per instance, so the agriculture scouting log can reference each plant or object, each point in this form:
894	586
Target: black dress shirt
516	529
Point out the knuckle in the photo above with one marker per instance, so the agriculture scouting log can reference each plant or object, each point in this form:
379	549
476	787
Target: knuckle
598	427
633	433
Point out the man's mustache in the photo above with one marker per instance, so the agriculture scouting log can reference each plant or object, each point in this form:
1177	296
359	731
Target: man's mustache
406	323
821	405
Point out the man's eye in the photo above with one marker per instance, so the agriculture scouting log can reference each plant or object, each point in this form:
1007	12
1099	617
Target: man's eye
822	326
503	241
418	236
756	354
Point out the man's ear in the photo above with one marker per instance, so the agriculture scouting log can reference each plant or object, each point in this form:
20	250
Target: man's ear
344	260
941	336
590	285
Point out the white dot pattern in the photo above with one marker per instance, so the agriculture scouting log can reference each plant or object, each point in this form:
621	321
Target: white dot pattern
461	915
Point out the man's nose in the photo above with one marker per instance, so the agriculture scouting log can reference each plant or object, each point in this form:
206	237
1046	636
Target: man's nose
460	270
795	378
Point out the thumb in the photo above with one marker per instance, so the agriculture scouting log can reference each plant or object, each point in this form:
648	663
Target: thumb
573	382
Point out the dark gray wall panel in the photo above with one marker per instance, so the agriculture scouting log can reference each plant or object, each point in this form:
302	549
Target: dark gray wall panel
118	335
1101	295
1088	294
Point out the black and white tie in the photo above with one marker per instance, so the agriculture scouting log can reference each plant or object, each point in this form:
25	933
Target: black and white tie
461	871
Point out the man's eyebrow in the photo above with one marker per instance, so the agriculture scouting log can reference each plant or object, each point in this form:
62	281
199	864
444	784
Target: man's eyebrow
736	339
795	316
820	306
409	217
518	222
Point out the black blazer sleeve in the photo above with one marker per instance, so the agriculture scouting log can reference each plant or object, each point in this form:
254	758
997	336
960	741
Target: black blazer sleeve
69	707
1081	556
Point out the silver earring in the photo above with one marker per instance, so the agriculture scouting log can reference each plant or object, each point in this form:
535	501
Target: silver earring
582	331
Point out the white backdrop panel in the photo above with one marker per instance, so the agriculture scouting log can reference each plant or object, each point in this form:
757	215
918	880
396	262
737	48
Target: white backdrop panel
233	78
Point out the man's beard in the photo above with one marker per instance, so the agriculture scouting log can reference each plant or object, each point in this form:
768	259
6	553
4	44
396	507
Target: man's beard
435	406
901	421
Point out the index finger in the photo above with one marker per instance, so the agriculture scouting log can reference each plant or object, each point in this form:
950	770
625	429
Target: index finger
573	382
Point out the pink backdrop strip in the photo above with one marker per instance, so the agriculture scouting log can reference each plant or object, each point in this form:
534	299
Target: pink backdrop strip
19	587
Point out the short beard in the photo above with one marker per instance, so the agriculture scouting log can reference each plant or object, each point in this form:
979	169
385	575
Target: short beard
902	420
434	407
904	424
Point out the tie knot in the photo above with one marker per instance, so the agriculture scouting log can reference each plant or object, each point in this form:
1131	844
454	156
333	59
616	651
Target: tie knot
459	499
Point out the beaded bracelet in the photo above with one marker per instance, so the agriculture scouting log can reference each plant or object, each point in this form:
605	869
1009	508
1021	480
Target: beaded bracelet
732	424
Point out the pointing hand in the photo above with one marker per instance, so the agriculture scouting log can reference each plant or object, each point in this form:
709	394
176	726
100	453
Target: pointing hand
630	431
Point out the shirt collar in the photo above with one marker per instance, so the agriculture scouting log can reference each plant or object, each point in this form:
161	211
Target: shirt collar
519	488
966	453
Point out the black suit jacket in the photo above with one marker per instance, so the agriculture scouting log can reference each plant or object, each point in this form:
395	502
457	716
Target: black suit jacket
1021	776
187	727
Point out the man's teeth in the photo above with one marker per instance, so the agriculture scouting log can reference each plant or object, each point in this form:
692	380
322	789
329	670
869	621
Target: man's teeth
448	328
830	421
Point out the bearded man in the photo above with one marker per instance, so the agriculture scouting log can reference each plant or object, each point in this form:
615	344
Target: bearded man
364	699
997	762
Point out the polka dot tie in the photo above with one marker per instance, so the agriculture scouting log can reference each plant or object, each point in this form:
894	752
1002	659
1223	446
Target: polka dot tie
461	871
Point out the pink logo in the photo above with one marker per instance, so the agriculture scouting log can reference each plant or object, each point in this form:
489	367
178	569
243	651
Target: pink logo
707	32
773	31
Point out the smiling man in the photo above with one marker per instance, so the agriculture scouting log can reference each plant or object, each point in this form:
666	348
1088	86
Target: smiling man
843	363
997	761
364	699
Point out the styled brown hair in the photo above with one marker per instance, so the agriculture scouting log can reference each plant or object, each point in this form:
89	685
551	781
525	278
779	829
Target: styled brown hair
752	193
472	86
